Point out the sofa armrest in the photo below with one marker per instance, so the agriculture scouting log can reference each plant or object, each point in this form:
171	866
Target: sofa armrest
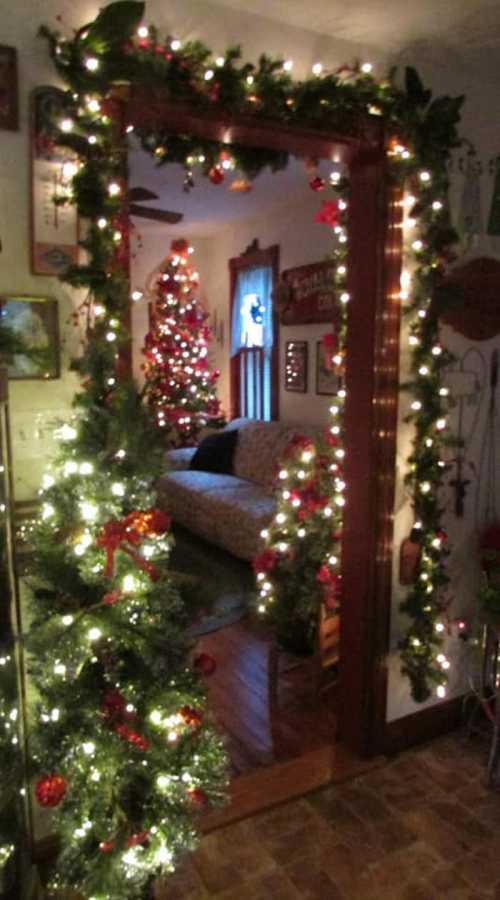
179	458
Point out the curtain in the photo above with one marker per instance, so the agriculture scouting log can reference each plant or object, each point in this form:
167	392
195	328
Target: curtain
253	289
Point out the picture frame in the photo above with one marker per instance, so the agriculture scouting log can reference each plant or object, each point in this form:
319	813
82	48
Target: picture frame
9	105
34	322
328	382
296	366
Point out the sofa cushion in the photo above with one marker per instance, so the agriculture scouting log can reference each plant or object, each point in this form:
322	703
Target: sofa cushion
215	453
260	447
179	458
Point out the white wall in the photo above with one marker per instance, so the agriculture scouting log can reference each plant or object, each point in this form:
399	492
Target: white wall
473	71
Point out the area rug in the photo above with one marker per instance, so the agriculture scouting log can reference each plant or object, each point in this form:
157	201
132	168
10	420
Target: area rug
220	586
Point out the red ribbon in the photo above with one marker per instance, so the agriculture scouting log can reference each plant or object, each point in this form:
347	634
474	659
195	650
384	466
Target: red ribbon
127	534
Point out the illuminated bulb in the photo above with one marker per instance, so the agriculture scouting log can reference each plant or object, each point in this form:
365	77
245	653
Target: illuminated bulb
264	534
66	125
333	560
441	691
444	391
67	433
163	855
95	775
439	627
136	295
129	129
423	370
114	189
437	350
327	512
317	68
118	489
425	487
55	715
209	74
88	748
341	269
86	468
155	717
283	474
301	533
94	634
366	68
307	455
102	222
47	511
417	246
345	297
288	65
441	424
416	405
120	454
219	61
93	105
110	336
67	620
117	236
175	45
143	31
48	481
129	584
111	382
413	340
89	511
59	669
280	518
92	139
250	79
340	501
425	177
92	64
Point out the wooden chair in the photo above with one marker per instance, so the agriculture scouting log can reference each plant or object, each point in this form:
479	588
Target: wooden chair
322	664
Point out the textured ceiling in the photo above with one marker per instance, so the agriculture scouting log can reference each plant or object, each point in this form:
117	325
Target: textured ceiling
388	23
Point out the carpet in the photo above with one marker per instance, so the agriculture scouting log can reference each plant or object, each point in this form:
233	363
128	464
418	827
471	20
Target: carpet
218	585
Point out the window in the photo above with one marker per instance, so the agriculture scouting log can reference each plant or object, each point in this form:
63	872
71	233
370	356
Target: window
253	335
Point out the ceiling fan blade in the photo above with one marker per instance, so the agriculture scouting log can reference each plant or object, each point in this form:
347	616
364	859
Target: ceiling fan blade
140	194
157	215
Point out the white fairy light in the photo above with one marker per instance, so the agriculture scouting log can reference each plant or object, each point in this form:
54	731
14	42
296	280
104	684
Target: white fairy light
366	68
175	45
66	125
92	63
118	489
94	634
317	68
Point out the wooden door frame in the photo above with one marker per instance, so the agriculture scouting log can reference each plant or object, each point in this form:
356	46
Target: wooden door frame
255	256
372	371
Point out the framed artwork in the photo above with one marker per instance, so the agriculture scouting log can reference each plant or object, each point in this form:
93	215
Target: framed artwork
306	294
33	322
54	229
9	112
296	366
327	380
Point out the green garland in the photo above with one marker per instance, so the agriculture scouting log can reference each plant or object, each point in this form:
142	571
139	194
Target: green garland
116	49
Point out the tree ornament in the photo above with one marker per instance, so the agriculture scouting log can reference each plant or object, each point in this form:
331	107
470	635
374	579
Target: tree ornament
317	184
204	664
198	797
328	214
50	790
191	716
216	175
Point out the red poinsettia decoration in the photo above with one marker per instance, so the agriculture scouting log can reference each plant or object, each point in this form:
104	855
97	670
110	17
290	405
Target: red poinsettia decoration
328	214
265	561
50	790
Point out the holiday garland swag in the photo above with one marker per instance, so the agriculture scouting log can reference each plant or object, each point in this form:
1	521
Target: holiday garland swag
123	748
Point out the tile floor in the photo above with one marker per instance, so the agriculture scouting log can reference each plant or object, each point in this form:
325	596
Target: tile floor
424	826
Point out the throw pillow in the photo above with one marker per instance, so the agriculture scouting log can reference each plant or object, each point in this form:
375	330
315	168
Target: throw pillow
215	453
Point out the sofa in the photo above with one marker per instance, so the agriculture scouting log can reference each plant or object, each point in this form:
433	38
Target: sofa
230	510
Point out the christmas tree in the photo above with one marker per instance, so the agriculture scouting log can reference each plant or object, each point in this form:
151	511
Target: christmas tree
180	385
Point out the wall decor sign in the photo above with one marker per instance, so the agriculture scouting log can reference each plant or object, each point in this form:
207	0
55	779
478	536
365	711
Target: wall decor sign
328	381
306	294
9	110
54	226
296	366
34	321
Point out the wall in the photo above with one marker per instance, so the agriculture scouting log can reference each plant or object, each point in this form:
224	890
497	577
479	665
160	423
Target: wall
300	242
471	70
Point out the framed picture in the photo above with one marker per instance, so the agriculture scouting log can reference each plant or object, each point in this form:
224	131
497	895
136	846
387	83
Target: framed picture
306	294
9	114
327	380
296	366
32	342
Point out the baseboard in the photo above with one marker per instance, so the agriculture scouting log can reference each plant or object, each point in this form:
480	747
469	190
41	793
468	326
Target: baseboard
401	734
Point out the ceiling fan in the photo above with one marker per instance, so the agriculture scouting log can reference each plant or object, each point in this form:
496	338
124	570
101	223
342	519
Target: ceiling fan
139	195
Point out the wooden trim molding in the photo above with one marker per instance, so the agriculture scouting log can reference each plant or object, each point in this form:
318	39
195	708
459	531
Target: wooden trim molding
422	726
